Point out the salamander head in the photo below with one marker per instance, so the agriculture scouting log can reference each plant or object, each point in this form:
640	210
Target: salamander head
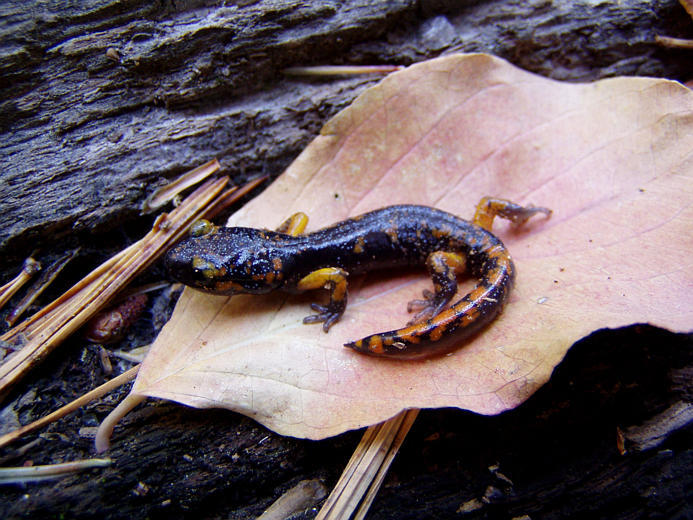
227	261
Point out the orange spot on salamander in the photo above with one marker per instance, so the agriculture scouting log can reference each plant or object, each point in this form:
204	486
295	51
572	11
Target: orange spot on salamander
391	232
228	286
375	344
411	338
437	333
471	316
496	251
441	232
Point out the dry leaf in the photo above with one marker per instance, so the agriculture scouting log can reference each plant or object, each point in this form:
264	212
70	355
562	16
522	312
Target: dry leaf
613	159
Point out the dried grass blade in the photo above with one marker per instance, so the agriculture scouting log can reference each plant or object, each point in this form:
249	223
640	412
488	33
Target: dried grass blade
82	293
367	467
70	407
231	195
42	333
407	422
674	43
40	285
164	194
340	70
33	473
29	269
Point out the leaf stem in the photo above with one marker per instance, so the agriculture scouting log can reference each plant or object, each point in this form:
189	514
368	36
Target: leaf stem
103	434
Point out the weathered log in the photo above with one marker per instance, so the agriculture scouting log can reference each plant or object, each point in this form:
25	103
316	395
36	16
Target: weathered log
101	101
556	456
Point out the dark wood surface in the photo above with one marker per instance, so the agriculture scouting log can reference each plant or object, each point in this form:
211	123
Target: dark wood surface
85	139
556	456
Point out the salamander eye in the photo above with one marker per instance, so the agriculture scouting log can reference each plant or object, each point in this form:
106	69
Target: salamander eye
201	227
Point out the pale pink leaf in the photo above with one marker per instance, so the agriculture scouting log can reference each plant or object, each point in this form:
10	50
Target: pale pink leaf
613	159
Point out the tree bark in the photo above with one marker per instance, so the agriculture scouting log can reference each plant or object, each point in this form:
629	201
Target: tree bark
102	101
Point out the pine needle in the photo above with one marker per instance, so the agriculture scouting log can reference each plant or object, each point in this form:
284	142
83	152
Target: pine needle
25	474
70	407
43	332
366	470
29	269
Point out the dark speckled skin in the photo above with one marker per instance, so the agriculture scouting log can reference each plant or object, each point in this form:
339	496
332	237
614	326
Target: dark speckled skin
257	261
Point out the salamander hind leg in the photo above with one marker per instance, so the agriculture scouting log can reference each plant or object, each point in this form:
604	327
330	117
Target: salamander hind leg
443	268
489	208
333	279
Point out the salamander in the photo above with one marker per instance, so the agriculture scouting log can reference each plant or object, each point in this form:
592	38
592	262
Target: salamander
222	260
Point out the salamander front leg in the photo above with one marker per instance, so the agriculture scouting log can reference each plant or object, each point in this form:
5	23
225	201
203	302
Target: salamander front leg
333	279
489	208
443	268
294	225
